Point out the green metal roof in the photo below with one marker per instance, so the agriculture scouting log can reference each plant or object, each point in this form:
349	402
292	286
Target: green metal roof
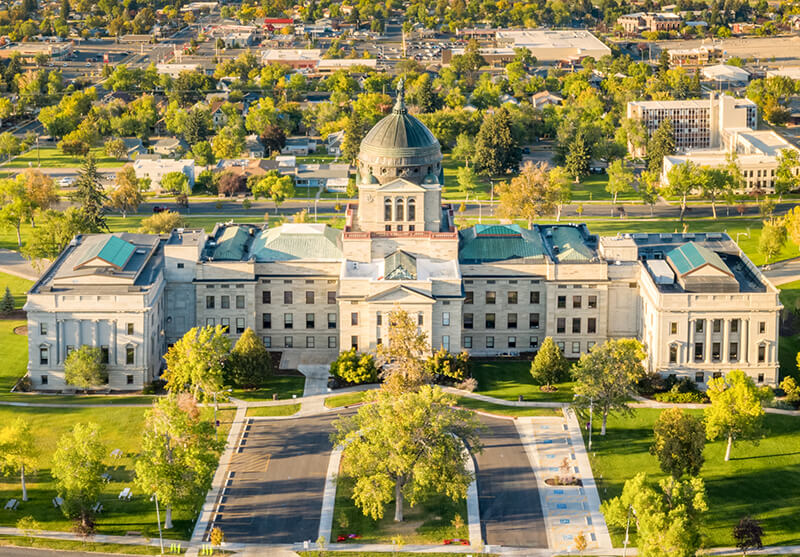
400	130
691	256
231	243
400	266
571	245
498	242
114	250
298	241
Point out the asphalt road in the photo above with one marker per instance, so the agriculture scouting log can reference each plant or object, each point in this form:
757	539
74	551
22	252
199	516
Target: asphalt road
278	481
511	512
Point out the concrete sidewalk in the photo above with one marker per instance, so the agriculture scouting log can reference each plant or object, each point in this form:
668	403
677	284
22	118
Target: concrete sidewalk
13	263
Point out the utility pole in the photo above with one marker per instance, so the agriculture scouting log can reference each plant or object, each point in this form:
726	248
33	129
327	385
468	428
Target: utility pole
158	520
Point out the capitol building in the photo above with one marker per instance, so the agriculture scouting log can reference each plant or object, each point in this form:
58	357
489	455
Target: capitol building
310	291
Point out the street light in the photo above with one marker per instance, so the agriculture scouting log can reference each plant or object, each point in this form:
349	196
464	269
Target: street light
216	423
627	527
158	520
591	415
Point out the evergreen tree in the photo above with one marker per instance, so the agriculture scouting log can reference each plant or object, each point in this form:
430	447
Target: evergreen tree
90	196
64	9
578	158
7	303
196	128
496	150
661	144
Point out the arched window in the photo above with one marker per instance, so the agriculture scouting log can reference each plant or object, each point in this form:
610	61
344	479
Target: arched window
387	209
398	209
412	209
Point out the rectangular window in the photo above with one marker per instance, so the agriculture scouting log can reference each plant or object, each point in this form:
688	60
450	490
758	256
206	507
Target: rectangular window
512	342
331	320
354	318
576	302
576	325
512	320
562	302
43	379
468	317
240	302
733	352
512	298
489	342
762	353
534	321
591	325
491	297
309	342
130	353
266	297
354	342
239	325
44	356
288	342
762	327
209	302
226	323
129	379
309	296
180	265
716	355
673	328
760	378
267	342
42	328
698	351
420	319
331	342
592	302
534	342
467	342
561	325
287	297
490	320
104	354
699	325
576	347
210	322
717	325
446	319
699	377
560	345
129	327
469	297
673	353
266	320
309	320
734	325
446	342
535	297
331	297
225	302
288	320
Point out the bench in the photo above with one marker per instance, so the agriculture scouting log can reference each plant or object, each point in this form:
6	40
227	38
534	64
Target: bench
125	494
97	508
12	505
57	502
116	453
106	477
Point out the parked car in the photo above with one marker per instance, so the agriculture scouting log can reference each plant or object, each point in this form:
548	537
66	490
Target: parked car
66	181
159	209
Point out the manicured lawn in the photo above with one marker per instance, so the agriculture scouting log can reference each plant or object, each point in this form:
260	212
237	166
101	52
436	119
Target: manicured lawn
518	412
789	346
269	411
347	399
428	522
52	157
507	379
593	188
283	385
760	480
74	545
18	286
379	554
451	189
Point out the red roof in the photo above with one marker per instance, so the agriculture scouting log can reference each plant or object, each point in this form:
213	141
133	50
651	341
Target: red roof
287	21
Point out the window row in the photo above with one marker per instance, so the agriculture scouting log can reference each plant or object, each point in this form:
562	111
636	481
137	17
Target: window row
288	297
490	321
226	323
43	328
700	376
491	342
399	209
288	342
130	354
224	302
45	379
700	355
288	321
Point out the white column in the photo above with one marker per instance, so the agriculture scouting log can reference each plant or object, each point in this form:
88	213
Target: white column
725	340
114	327
744	349
59	340
709	327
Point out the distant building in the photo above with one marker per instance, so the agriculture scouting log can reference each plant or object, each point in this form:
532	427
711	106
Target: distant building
551	45
725	76
330	177
545	98
29	51
170	146
492	55
157	169
295	58
175	70
792	72
299	146
639	22
253	147
333	143
693	57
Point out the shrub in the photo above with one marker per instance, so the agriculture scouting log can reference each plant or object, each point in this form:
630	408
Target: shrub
446	367
354	368
246	204
683	392
469	384
650	384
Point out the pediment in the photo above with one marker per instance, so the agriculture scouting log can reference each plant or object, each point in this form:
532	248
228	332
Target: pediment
400	295
401	185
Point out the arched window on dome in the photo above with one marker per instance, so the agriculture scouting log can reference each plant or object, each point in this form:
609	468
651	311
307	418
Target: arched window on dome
412	210
398	209
387	209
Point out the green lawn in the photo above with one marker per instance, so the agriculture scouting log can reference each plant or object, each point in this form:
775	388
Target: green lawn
52	157
429	522
507	379
347	399
512	411
593	188
18	286
283	385
379	554
270	411
760	480
789	346
74	545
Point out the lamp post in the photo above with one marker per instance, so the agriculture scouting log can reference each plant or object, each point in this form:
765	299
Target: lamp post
627	527
591	416
158	520
216	423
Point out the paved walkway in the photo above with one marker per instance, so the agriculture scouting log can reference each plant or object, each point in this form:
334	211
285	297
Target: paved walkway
13	263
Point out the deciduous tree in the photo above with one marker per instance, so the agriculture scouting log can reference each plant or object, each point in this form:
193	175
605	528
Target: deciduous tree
161	223
249	364
682	180
19	450
620	180
748	533
196	363
16	207
402	357
549	366
679	440
355	368
278	188
467	180
126	196
53	233
84	368
77	466
529	196
737	409
787	178
772	238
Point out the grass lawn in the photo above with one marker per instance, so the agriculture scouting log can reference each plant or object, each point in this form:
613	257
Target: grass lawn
269	411
593	188
507	379
283	385
74	545
518	412
379	554
347	399
52	157
762	481
18	286
789	346
429	522
451	189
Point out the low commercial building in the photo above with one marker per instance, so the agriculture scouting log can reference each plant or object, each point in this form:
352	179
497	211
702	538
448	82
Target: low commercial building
155	170
29	51
551	45
175	70
694	57
639	22
296	58
723	76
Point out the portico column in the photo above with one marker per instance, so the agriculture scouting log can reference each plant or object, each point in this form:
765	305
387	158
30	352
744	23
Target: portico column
709	328
96	333
743	341
726	326
115	326
59	340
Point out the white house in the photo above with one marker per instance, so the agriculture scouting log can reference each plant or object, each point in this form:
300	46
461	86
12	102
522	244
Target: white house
157	169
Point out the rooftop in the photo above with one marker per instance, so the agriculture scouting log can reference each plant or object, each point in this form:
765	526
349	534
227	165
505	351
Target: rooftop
485	243
552	39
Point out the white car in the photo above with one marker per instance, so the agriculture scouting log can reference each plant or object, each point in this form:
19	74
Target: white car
66	181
